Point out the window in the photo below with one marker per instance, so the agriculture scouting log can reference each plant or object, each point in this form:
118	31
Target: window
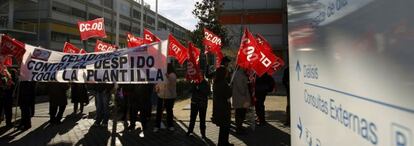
124	9
150	20
108	3
124	27
58	7
78	13
136	30
136	14
107	21
93	16
59	37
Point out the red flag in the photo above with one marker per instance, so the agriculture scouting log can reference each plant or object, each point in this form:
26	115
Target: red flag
149	37
278	64
8	61
13	47
194	52
70	48
248	51
82	51
104	47
212	42
193	67
134	41
264	63
262	42
177	50
92	28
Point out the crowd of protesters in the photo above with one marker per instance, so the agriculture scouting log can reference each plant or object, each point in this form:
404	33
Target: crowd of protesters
230	90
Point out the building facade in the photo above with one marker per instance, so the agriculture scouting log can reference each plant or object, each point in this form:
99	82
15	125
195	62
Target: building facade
265	17
50	23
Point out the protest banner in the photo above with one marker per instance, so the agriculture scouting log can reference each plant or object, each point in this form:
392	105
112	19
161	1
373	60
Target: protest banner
140	65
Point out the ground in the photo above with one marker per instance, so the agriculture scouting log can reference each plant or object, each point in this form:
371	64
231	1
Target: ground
76	129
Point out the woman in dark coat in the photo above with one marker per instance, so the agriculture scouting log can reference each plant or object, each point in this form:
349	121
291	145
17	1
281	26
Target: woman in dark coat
79	96
57	101
221	106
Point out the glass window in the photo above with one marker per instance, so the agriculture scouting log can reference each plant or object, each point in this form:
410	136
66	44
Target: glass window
78	13
124	27
108	3
59	37
150	20
58	7
136	14
93	16
124	9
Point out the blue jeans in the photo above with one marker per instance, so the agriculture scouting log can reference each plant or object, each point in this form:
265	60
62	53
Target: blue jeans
102	107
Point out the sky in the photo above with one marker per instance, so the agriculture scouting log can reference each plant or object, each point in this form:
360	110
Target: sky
179	11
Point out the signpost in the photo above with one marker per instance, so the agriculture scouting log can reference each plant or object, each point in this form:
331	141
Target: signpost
352	72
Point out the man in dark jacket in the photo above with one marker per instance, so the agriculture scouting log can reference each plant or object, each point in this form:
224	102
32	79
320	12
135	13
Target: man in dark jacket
199	100
27	92
79	96
57	101
221	105
8	84
139	98
264	84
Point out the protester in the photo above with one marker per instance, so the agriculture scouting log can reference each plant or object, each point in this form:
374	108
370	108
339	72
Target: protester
57	101
27	92
121	102
241	99
264	84
167	94
221	106
7	86
199	100
103	93
139	98
79	96
285	81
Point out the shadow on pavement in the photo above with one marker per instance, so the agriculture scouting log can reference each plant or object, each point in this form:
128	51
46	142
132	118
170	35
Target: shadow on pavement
43	134
268	134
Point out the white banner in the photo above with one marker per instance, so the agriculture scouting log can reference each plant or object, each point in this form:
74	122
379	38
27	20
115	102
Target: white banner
140	65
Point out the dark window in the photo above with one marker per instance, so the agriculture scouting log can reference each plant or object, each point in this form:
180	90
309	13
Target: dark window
108	3
124	27
136	30
150	20
107	21
59	37
93	16
136	14
58	7
78	13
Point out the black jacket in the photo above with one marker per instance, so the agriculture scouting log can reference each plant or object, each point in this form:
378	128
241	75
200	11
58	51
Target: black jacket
27	93
200	92
57	93
221	103
79	93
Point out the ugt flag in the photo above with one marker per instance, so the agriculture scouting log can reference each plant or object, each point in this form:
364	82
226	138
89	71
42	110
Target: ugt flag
92	28
176	49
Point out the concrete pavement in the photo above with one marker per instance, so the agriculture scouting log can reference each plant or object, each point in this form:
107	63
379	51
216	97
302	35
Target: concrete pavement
76	129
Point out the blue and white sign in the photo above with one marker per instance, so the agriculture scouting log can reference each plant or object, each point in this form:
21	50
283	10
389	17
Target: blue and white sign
351	72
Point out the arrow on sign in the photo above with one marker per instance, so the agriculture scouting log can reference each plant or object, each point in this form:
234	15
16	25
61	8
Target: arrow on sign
298	69
300	128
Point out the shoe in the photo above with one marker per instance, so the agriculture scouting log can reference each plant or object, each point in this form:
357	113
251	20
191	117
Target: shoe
104	125
171	128
141	134
155	130
189	134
